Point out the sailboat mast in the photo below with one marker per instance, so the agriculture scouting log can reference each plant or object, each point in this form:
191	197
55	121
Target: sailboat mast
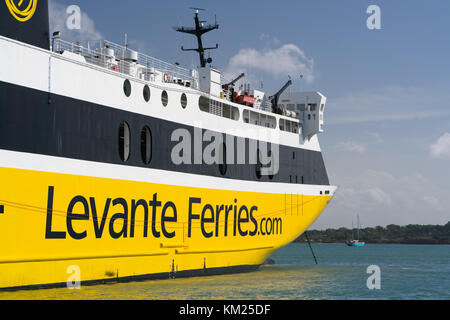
358	226
353	231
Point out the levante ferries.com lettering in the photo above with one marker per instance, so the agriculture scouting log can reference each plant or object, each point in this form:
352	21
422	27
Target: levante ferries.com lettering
214	220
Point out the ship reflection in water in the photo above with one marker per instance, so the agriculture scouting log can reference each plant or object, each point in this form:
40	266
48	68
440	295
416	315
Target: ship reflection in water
407	272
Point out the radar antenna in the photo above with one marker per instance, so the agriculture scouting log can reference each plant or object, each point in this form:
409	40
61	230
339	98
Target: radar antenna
199	30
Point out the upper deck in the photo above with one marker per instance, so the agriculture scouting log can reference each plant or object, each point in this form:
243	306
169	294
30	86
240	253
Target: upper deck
246	105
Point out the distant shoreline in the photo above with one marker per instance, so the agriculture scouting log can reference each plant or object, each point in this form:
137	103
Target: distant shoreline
377	243
391	234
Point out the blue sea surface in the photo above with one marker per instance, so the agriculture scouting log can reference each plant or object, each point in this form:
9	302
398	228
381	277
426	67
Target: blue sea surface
407	272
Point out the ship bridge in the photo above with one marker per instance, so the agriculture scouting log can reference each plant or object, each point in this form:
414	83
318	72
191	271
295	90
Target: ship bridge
309	108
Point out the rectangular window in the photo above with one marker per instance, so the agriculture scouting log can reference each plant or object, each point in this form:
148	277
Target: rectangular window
246	115
288	126
301	107
204	104
218	108
226	111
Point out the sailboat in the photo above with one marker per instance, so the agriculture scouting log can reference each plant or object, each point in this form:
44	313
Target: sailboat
355	243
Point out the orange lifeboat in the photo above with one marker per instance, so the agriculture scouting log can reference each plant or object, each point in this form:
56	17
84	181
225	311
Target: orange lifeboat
246	99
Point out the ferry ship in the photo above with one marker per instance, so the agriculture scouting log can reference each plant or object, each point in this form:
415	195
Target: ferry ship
124	167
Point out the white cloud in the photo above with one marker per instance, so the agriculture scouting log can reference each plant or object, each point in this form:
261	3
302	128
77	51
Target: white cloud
441	149
434	202
350	146
289	59
381	198
58	19
392	103
378	195
269	40
376	136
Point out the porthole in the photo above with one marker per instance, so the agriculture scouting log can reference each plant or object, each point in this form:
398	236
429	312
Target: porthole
258	165
271	176
146	93
223	167
146	145
183	101
127	88
164	98
124	141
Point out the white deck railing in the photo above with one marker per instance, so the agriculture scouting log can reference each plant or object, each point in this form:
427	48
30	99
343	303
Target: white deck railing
113	56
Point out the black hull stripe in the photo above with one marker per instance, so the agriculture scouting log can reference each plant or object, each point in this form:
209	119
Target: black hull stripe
33	121
145	277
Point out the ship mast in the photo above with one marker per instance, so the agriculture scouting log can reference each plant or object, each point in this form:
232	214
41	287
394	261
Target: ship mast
199	30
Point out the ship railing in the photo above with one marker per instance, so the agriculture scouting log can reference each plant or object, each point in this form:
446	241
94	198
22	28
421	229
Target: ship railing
118	59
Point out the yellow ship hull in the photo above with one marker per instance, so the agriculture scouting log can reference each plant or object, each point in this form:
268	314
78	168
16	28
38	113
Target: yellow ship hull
114	229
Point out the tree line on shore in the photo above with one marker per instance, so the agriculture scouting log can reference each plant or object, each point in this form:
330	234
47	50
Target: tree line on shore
410	234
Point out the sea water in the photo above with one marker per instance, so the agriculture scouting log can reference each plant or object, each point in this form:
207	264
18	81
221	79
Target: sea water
405	272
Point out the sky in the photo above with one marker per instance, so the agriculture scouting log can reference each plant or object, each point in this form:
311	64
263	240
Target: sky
387	122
